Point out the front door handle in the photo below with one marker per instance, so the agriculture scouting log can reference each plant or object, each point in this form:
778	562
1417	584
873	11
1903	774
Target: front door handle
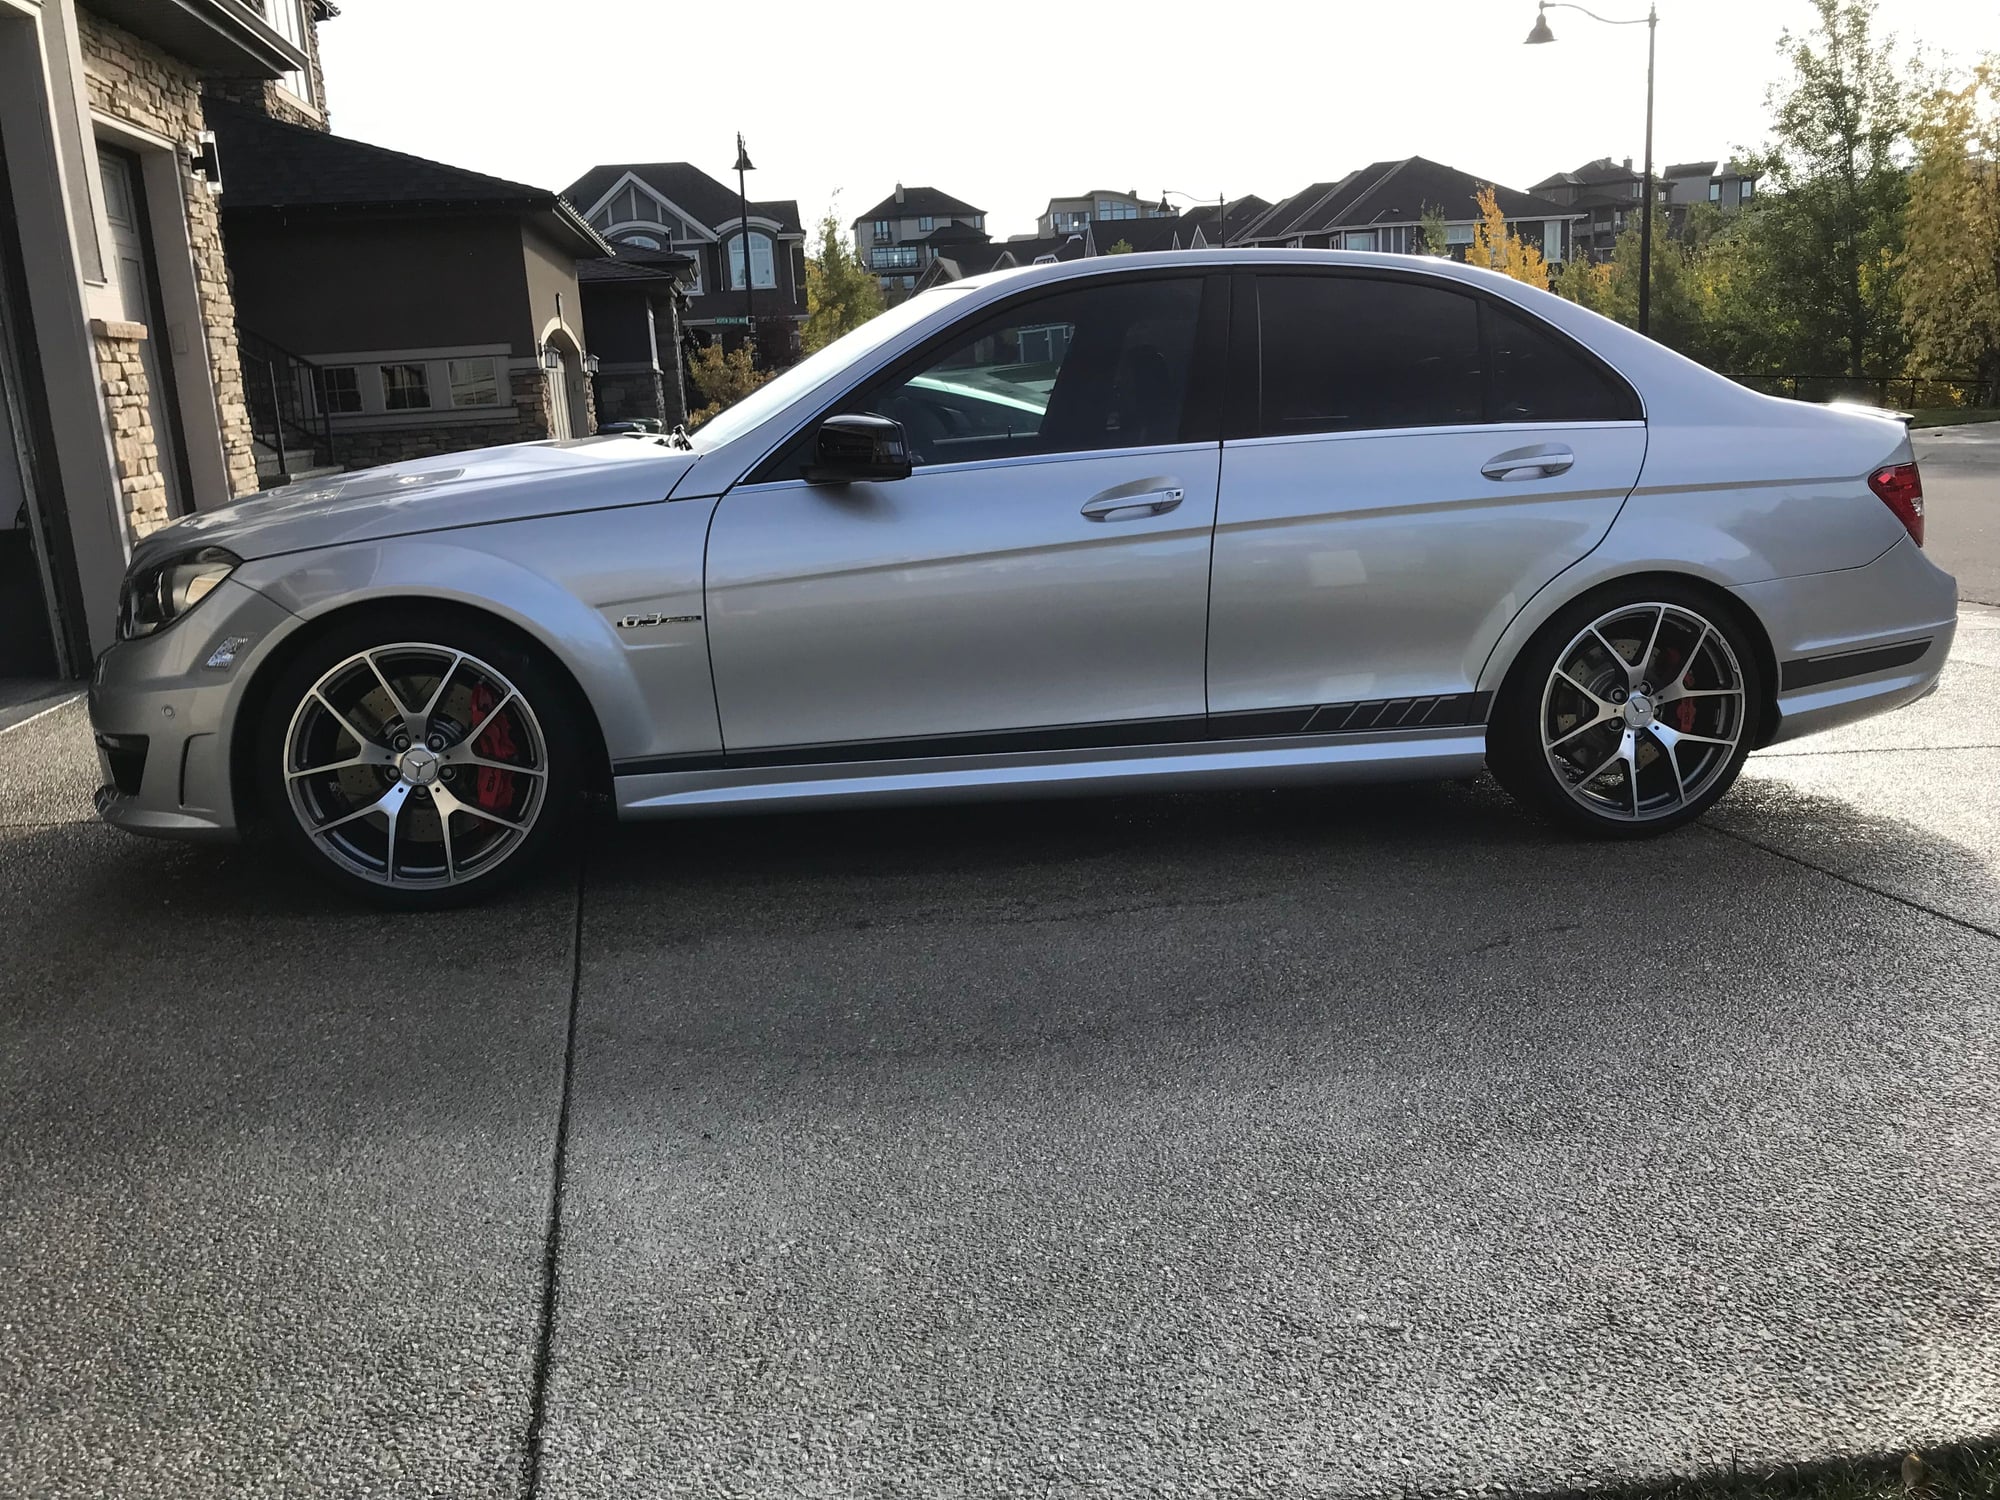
1131	507
1543	461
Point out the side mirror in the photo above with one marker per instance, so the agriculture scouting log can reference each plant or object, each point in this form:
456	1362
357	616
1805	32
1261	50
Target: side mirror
858	446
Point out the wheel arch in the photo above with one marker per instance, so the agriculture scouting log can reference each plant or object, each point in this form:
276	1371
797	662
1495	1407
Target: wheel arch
1498	677
256	694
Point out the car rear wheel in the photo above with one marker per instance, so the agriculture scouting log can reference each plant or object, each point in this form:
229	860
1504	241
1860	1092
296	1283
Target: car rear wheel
418	767
1627	716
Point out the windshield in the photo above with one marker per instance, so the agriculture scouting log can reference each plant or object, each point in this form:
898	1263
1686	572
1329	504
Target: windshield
817	369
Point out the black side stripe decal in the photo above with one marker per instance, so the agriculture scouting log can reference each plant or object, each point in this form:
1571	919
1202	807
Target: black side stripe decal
1814	671
1457	710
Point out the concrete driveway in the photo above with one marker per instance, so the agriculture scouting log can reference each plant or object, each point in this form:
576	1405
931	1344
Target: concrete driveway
1290	1144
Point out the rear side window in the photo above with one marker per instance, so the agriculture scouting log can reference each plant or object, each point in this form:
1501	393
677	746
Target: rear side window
1351	354
1346	354
1539	376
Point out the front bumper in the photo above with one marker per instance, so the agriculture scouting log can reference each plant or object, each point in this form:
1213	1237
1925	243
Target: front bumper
1857	642
165	720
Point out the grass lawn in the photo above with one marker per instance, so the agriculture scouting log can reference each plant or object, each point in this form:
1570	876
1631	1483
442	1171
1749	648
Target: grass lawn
1966	1473
1951	416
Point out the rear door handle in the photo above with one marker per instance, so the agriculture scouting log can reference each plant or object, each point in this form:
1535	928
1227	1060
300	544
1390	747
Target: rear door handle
1543	461
1131	507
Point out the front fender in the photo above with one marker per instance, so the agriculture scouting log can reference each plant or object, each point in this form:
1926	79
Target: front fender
563	581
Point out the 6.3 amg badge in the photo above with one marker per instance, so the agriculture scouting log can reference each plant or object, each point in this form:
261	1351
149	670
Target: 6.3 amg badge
640	622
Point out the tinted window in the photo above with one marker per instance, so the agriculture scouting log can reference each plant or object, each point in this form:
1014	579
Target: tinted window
1100	367
1349	353
1539	376
1344	353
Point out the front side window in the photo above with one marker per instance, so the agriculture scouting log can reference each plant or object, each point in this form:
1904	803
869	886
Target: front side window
1358	354
881	229
1101	367
1715	192
405	388
474	382
925	223
342	387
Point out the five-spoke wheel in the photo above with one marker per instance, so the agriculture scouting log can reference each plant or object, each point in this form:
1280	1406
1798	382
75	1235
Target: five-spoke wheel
1629	714
414	768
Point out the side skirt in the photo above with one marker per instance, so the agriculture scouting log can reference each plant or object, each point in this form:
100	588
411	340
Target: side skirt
1401	755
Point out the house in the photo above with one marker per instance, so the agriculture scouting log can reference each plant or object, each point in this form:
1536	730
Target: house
1099	206
121	389
1381	207
957	262
673	205
1726	185
1235	216
1606	196
632	312
444	310
899	237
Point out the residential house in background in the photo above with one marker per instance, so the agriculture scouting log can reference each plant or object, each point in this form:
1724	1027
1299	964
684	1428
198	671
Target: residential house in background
121	394
674	205
443	308
1609	194
1605	196
1232	217
632	311
955	262
899	237
1100	206
1381	207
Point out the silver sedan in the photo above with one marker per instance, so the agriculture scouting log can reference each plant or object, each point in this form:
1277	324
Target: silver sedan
1148	521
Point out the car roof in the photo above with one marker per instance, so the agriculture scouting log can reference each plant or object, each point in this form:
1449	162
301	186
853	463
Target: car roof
1247	257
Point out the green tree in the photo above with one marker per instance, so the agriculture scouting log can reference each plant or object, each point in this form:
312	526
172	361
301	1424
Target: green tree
841	295
1120	247
1432	237
1950	263
1826	227
1679	313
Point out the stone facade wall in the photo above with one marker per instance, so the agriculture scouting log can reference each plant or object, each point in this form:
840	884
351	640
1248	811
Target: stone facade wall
624	395
136	82
135	446
264	94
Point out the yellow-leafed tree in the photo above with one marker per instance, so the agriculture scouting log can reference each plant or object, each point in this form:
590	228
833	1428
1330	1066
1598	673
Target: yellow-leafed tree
1494	245
1950	262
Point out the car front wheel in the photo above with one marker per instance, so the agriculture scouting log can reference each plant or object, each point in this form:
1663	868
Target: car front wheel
418	767
1627	716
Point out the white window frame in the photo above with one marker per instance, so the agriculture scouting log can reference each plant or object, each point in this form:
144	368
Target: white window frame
288	19
498	375
436	364
731	259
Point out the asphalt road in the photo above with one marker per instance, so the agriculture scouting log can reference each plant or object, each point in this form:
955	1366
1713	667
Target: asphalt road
1961	470
1314	1143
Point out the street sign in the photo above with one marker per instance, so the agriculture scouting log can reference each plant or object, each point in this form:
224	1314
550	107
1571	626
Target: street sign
732	320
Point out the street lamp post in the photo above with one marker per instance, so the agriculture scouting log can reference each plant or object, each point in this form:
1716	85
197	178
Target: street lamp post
1651	21
1221	210
744	165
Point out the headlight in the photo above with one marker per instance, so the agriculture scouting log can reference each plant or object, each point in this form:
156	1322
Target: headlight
154	597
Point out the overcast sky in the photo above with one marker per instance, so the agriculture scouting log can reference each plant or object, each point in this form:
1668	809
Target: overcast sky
1008	105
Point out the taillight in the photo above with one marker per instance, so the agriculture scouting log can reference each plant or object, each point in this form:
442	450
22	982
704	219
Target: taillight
1899	487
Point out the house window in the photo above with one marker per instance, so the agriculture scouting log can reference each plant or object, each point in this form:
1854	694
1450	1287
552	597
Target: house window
289	21
1358	239
882	230
342	384
763	266
926	223
474	382
889	257
1458	234
643	241
1748	189
979	221
406	388
1715	192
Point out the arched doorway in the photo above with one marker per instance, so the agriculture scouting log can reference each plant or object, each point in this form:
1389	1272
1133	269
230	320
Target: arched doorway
562	360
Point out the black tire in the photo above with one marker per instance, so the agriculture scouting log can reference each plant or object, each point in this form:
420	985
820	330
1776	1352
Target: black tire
1539	721
541	785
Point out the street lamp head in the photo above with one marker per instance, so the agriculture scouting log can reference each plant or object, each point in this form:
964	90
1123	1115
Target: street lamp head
743	163
1541	33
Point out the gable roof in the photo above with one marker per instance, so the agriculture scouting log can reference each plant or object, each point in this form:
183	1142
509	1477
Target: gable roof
1689	169
918	202
1394	192
688	188
271	164
1177	233
1238	215
950	234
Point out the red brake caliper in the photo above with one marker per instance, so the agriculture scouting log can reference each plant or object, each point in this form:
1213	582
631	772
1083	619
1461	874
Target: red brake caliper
493	790
1684	710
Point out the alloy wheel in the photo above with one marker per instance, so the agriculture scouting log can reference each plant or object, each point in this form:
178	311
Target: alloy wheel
415	765
1643	712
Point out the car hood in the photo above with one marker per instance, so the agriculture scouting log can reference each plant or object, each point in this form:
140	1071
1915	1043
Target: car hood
433	494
